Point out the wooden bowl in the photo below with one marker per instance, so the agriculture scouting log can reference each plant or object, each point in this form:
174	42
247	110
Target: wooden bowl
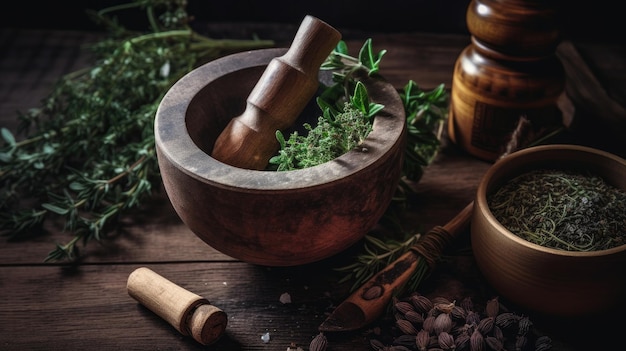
550	281
265	217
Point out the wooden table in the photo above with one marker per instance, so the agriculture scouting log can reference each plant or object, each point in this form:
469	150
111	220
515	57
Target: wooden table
46	306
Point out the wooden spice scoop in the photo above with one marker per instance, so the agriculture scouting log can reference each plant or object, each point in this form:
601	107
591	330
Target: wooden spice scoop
189	313
371	299
281	94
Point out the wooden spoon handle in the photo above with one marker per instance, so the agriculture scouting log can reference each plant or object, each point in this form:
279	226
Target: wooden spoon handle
278	98
369	302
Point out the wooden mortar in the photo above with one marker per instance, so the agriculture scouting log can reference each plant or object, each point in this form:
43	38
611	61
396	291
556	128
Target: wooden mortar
266	217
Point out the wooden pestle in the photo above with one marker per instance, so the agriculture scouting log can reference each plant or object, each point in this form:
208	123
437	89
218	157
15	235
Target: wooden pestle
189	313
278	98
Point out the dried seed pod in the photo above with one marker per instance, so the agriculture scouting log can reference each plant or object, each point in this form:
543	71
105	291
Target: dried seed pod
497	333
414	317
422	340
493	307
472	318
398	348
467	304
319	343
507	319
442	323
520	342
372	293
458	329
405	340
477	342
440	299
403	307
444	307
446	341
433	341
494	343
398	315
428	324
486	325
406	327
461	341
421	303
524	325
543	343
458	313
377	345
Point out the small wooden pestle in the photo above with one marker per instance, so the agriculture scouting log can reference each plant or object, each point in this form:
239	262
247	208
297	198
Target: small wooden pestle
278	98
189	313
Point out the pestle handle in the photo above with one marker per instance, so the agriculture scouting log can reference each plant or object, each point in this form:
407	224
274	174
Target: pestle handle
189	313
281	94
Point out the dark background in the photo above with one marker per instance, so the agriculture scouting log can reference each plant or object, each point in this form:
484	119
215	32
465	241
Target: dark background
599	20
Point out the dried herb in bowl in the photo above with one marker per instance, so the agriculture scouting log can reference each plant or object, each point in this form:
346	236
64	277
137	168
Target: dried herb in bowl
560	209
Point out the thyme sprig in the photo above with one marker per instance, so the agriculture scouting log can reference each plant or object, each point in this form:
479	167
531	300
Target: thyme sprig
336	132
87	155
425	111
376	254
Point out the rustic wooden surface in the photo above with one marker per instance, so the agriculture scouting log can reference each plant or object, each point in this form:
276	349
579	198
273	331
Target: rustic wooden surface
86	306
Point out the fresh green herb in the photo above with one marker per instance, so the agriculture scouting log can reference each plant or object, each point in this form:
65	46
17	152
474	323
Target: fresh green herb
562	209
425	111
335	134
378	253
88	154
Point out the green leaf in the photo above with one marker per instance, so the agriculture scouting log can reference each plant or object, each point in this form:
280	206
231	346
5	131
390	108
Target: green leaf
368	59
359	99
8	137
374	108
56	209
365	54
77	186
342	47
326	106
281	138
6	157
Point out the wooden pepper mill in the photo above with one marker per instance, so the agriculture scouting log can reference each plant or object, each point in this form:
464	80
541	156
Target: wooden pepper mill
278	98
189	313
510	70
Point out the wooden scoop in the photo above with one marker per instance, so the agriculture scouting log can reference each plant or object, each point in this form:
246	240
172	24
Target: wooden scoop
370	301
280	95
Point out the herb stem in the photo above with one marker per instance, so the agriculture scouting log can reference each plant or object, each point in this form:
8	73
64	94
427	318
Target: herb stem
120	7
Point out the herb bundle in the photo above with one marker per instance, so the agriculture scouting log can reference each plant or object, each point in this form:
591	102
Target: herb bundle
87	155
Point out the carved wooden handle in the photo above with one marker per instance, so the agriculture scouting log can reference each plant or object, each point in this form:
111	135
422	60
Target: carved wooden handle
280	95
189	313
370	300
